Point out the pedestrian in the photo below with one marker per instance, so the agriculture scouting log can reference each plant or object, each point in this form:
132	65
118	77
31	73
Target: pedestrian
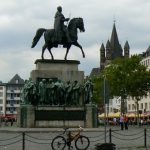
12	122
126	122
115	121
122	122
141	121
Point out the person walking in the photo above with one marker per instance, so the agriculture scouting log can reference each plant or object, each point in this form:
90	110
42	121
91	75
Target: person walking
122	122
126	122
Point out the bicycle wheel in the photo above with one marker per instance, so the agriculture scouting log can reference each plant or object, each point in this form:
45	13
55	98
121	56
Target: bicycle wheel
82	143
58	143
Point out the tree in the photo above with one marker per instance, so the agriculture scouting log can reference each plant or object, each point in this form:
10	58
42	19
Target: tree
139	80
97	91
128	77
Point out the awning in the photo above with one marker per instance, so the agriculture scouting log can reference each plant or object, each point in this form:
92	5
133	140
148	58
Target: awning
110	115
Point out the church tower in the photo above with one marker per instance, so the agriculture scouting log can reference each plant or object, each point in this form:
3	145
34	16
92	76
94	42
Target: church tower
102	56
126	50
108	52
112	50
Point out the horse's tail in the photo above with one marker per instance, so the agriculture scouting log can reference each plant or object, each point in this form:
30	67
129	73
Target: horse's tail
37	37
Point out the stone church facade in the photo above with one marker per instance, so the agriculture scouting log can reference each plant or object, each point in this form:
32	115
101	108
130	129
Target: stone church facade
110	51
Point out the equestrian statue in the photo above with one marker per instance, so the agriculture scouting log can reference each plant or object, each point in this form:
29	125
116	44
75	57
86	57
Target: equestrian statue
62	34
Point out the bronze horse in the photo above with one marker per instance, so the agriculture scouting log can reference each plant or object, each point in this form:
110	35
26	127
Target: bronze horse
74	24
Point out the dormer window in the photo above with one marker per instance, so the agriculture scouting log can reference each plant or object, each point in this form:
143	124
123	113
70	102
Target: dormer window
17	81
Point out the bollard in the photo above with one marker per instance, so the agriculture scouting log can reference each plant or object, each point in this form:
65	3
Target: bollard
110	136
23	141
145	142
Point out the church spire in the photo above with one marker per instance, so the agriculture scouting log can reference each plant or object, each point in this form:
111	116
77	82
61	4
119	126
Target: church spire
114	42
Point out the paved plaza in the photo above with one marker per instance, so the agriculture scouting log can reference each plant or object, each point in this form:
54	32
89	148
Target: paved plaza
40	138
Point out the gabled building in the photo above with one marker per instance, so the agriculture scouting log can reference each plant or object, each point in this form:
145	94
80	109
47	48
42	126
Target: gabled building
10	96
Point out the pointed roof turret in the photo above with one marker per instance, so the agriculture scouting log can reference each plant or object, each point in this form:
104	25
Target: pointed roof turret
114	42
108	44
126	50
102	47
102	56
126	46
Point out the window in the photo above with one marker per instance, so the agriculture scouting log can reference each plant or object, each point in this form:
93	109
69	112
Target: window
129	107
145	105
1	101
1	88
133	107
1	94
12	96
141	105
17	81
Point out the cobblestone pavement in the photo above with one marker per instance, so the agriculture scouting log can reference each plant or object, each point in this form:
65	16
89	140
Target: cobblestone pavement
40	138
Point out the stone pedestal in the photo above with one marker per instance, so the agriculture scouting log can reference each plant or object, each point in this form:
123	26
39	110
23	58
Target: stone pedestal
57	116
61	69
50	116
26	116
91	116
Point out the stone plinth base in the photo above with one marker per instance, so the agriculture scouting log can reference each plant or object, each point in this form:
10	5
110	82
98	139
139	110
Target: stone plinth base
62	69
48	116
26	116
91	116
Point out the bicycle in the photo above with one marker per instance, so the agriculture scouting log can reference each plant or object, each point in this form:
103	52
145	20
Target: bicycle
81	142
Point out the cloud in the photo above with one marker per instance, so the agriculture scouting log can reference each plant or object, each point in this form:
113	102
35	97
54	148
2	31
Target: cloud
19	20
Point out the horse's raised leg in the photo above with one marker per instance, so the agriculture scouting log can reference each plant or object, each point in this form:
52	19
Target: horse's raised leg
43	50
68	47
78	45
49	49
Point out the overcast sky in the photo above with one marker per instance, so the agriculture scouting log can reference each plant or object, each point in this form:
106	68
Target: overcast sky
19	20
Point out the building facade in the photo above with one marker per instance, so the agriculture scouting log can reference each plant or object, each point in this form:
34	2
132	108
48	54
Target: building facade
110	51
113	49
10	96
2	98
144	103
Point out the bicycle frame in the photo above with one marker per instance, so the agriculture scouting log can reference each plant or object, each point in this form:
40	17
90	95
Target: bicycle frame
81	142
73	137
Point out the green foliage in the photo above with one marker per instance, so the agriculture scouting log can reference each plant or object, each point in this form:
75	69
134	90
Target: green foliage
97	92
128	77
125	77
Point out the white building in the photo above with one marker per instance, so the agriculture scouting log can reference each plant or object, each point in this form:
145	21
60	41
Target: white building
114	104
10	96
2	98
144	103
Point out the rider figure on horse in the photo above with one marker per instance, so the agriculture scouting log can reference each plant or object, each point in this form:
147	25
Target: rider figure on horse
60	28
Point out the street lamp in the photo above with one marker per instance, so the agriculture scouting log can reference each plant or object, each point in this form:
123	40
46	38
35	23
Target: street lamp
105	108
